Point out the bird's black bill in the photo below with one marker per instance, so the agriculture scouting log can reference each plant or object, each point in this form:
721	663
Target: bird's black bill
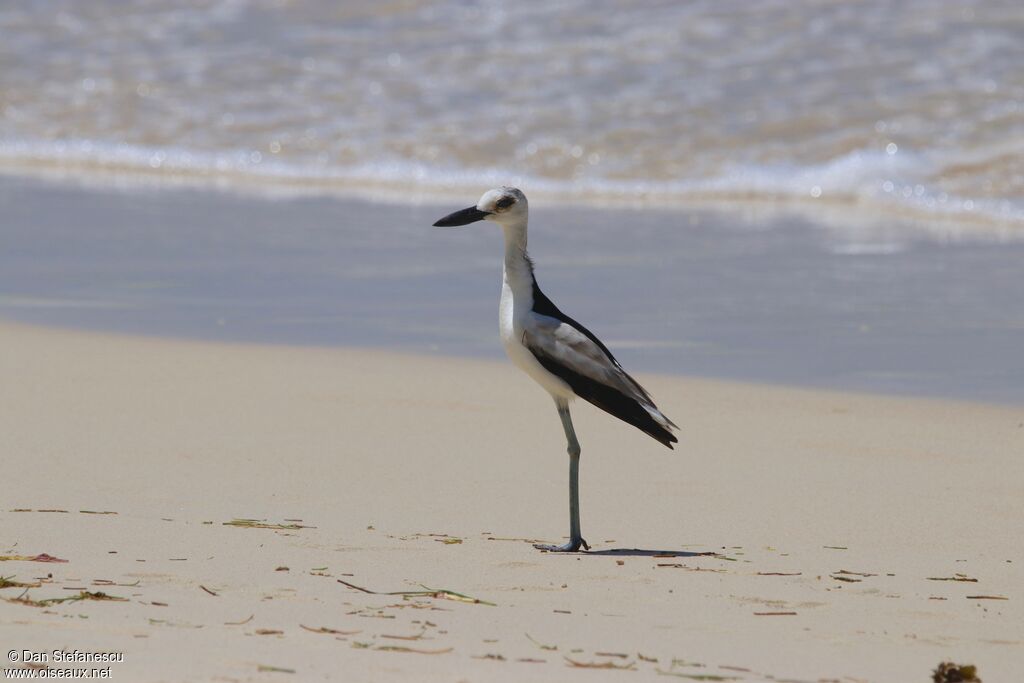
464	217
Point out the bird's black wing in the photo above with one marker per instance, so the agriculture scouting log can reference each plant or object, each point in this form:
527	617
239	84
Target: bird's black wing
569	351
542	305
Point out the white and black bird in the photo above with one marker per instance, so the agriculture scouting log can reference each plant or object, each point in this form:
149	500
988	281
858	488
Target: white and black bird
560	354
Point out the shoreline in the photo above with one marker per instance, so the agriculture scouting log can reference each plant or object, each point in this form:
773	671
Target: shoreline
689	293
839	211
496	359
828	516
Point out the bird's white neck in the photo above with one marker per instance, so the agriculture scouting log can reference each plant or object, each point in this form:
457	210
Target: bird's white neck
518	271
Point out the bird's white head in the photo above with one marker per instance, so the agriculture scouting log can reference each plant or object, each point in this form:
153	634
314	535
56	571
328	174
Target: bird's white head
503	205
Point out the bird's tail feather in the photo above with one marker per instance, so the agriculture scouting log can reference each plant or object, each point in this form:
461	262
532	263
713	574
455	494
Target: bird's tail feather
643	415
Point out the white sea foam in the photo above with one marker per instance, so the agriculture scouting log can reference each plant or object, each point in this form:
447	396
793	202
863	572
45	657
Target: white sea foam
915	108
857	185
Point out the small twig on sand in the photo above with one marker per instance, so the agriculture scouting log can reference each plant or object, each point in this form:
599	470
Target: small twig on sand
261	524
273	669
440	593
630	666
41	557
82	595
402	648
331	631
239	623
9	582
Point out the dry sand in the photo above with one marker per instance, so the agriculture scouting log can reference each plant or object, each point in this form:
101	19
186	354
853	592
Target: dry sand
828	515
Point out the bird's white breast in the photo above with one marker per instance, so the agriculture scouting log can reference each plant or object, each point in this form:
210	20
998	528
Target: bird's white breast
515	318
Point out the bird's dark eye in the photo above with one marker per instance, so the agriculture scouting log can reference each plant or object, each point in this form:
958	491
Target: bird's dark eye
505	202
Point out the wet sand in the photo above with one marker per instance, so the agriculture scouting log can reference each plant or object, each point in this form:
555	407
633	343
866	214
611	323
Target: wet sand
793	535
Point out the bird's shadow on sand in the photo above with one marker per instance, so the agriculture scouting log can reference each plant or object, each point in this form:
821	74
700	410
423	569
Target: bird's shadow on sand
641	552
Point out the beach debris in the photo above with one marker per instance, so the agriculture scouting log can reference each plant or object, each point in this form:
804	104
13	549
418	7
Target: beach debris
329	631
955	577
449	541
774	614
263	524
9	582
97	512
412	650
780	573
266	668
41	557
696	677
521	540
174	624
269	632
207	590
644	658
433	535
987	597
835	547
418	636
531	660
239	623
847	579
89	595
23	599
849	573
282	568
948	672
495	657
679	565
439	593
371	613
108	582
82	595
550	648
628	666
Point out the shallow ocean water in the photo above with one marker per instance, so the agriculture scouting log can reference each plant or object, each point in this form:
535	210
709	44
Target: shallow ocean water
794	191
771	298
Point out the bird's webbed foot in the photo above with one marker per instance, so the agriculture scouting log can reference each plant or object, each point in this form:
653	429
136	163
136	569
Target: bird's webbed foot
571	547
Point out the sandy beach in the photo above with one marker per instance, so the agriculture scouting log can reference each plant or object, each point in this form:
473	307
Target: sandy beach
255	419
793	535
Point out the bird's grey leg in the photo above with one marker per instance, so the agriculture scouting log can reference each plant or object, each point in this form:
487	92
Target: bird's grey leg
575	537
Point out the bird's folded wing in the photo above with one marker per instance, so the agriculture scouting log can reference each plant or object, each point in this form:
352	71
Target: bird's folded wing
564	345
